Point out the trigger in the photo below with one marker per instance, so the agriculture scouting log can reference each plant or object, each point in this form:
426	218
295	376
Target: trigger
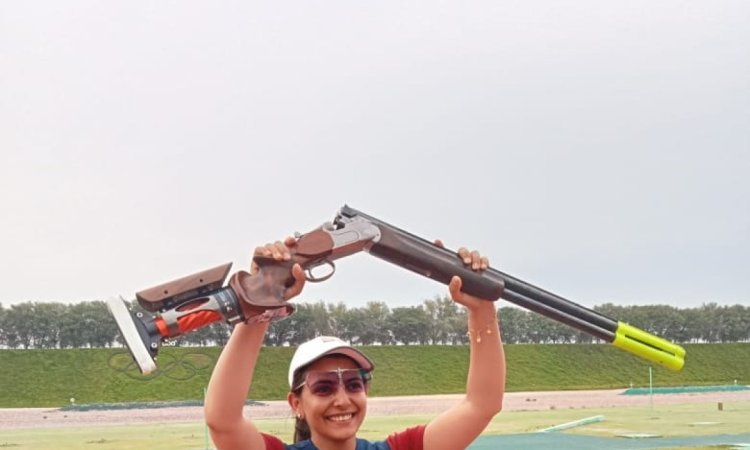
311	277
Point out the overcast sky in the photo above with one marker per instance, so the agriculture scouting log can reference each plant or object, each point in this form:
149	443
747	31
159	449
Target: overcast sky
600	150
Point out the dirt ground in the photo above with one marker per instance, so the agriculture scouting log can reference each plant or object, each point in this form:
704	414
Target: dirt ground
516	401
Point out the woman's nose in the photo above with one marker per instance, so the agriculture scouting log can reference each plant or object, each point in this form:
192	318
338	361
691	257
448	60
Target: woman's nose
341	397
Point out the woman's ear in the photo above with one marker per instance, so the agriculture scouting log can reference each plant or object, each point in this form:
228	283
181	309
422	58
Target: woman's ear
294	401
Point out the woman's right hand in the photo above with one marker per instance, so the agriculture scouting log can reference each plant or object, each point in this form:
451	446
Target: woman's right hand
281	251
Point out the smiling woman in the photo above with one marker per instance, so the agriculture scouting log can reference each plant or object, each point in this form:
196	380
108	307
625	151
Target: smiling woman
329	382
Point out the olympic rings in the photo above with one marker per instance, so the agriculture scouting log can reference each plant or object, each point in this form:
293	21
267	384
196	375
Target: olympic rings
178	367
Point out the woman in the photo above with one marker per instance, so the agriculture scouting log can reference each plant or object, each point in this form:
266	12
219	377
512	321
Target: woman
329	380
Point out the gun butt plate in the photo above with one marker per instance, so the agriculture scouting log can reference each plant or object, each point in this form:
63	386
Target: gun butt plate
126	323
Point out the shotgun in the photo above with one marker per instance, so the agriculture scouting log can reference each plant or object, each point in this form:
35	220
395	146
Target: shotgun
189	303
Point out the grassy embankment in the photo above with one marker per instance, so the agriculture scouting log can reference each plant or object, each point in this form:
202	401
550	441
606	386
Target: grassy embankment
50	378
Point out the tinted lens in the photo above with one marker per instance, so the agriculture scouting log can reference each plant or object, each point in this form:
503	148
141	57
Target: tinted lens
324	388
353	382
324	384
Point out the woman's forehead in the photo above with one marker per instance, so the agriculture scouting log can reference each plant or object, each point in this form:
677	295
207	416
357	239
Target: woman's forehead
333	362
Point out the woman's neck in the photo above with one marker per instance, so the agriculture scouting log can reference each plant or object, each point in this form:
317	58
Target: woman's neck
322	443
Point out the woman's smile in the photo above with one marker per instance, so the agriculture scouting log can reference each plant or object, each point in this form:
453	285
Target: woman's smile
341	417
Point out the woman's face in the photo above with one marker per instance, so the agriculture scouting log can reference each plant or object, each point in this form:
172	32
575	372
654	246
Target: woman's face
333	415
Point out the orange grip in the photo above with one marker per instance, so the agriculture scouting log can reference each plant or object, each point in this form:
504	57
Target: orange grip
188	323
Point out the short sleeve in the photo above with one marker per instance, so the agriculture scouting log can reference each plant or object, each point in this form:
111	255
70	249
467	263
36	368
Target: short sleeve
272	442
409	439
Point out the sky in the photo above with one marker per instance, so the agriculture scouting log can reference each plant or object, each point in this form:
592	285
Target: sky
599	150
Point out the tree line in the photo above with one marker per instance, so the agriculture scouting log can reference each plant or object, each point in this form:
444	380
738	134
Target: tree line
436	321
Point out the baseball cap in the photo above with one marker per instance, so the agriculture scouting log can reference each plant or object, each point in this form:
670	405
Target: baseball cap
321	346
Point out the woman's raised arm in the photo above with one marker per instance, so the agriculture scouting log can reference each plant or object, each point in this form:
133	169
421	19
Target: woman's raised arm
233	374
460	425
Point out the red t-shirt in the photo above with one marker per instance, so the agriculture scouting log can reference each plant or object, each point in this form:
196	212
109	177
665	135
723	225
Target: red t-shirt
409	439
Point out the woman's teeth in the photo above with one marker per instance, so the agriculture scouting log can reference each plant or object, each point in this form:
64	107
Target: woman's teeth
341	418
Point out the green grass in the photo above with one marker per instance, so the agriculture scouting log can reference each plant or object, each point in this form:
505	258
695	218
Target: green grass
153	437
670	420
49	378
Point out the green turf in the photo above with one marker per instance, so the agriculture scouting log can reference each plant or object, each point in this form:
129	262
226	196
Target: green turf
50	378
671	420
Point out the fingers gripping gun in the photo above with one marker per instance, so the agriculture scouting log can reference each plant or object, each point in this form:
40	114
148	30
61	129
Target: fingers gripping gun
192	302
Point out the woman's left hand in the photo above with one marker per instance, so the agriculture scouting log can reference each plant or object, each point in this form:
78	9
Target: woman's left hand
477	262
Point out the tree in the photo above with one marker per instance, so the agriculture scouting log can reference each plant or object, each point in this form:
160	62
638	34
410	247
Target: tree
301	325
279	332
734	322
457	326
3	337
541	329
321	319
514	324
71	329
19	322
377	315
407	325
561	333
442	312
440	320
696	325
337	317
711	313
354	325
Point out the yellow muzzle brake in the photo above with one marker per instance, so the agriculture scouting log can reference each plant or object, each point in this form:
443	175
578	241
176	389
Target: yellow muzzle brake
648	346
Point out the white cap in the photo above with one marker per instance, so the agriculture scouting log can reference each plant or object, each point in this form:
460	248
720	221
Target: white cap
321	346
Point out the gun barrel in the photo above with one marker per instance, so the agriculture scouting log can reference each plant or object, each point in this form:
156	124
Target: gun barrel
421	256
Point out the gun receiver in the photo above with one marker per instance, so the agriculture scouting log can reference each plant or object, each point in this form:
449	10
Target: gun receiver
199	300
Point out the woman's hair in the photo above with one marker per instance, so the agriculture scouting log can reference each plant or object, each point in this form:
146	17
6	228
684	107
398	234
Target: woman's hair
301	428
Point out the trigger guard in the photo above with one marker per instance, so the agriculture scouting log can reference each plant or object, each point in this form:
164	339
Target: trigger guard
309	275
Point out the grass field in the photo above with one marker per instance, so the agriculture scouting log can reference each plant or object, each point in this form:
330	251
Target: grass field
51	377
94	376
673	420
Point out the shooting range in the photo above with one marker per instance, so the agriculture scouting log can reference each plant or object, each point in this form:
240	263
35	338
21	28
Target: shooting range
596	153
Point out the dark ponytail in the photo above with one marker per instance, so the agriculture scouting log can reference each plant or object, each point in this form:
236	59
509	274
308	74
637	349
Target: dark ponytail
301	428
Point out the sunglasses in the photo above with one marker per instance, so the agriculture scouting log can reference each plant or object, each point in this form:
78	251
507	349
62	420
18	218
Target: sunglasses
326	383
